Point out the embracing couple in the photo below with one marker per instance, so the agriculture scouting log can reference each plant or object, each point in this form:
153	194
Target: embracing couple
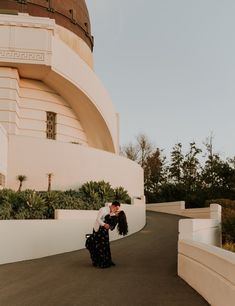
98	243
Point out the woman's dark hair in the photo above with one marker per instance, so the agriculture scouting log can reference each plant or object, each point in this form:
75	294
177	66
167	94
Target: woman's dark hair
116	203
122	225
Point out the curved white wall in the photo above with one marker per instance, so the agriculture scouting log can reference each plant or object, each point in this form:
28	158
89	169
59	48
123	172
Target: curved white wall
32	46
36	98
75	43
71	164
209	270
91	90
24	104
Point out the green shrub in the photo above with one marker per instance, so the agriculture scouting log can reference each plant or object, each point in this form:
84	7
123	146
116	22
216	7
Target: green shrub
121	195
5	204
30	204
96	194
33	207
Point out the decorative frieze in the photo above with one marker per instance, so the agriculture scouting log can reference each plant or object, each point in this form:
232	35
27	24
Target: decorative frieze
22	55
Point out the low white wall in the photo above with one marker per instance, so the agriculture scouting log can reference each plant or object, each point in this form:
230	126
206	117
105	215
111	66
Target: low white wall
29	239
209	270
167	207
136	216
178	208
202	230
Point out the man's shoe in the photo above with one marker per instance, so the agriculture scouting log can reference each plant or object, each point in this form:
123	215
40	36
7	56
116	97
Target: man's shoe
112	264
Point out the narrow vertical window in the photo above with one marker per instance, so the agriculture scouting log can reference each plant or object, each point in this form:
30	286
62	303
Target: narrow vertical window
51	125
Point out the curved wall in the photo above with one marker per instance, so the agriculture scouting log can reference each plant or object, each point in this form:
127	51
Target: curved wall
209	270
24	104
36	99
71	14
79	85
29	239
71	164
76	44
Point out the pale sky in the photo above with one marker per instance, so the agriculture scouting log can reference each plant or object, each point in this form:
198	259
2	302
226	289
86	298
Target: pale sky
169	67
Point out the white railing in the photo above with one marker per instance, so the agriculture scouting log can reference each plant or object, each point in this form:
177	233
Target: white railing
205	266
209	270
178	208
202	263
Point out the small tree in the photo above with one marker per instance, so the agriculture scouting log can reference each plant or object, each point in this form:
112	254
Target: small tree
176	166
154	172
145	149
140	151
130	151
21	178
49	175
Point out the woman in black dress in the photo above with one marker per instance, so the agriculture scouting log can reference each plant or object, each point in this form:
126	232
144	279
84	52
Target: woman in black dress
98	242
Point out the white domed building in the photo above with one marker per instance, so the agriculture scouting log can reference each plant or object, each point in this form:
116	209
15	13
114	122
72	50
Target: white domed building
55	114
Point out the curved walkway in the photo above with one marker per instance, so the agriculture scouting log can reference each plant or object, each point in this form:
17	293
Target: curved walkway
145	274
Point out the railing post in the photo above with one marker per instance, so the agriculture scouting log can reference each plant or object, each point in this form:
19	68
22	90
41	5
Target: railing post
215	213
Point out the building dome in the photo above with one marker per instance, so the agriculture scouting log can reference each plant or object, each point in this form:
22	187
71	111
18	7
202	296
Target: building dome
70	14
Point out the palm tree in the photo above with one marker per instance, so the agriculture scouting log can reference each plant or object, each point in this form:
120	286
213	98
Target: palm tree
21	178
49	175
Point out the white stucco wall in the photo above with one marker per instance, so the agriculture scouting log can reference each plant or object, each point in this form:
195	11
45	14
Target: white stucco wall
71	165
29	239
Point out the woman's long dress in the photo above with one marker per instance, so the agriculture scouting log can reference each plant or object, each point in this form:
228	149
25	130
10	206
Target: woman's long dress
98	244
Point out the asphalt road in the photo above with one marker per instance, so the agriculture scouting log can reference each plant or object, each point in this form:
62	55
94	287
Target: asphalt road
145	274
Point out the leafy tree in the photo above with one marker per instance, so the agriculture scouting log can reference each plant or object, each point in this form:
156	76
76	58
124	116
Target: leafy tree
145	149
130	151
175	168
146	156
191	168
218	176
154	173
139	151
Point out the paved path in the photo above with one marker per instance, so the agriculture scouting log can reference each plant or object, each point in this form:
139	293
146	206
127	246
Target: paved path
145	274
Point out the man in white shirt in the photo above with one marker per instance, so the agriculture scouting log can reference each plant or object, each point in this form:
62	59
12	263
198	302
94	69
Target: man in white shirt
98	242
104	211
